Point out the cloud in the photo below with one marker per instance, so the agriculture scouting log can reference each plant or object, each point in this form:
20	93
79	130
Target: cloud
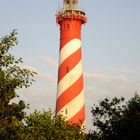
38	98
124	70
46	77
113	82
43	76
50	61
42	94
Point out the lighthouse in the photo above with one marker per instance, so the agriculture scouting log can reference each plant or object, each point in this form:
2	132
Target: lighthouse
70	87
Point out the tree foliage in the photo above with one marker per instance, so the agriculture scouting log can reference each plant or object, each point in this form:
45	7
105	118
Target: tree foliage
12	77
46	126
117	120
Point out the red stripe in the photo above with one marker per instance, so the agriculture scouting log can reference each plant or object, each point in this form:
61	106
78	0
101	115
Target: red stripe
79	117
69	94
69	63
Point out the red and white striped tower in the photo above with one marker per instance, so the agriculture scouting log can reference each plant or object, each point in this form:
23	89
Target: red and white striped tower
70	93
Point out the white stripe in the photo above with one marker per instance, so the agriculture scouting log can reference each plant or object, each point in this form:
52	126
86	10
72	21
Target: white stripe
69	78
69	49
73	107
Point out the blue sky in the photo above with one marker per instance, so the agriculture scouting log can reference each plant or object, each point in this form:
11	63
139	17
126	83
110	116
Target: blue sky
110	45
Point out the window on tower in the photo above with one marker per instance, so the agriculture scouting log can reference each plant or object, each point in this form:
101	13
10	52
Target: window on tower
66	111
67	69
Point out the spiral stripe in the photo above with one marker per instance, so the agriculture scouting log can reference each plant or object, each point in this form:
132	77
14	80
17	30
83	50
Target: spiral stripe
69	78
69	49
69	63
63	99
72	107
79	117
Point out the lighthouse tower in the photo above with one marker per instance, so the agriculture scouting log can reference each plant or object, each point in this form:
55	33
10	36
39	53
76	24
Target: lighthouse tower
70	88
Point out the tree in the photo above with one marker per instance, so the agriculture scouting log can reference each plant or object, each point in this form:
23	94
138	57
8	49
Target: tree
12	77
46	126
116	120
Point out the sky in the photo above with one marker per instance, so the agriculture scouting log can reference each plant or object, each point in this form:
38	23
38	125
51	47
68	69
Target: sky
110	48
